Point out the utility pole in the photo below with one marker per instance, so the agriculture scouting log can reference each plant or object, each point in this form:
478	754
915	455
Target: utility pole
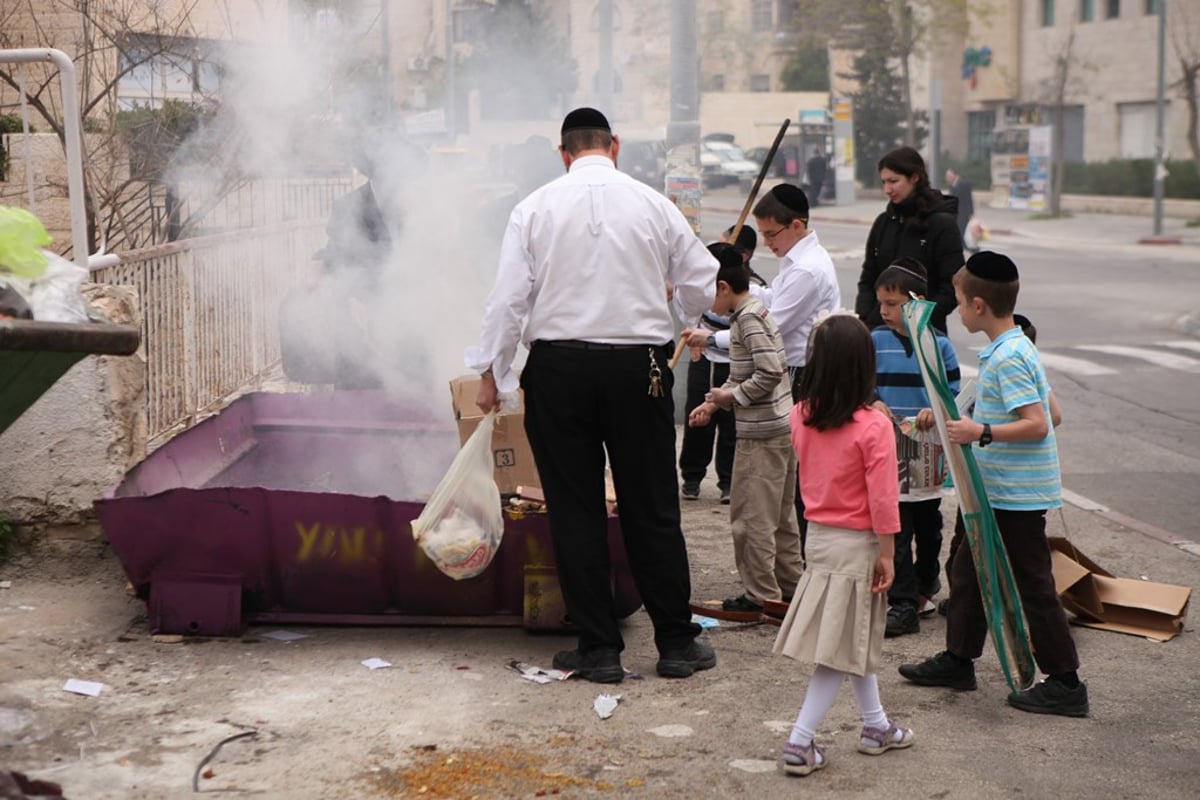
1160	137
683	131
450	101
605	89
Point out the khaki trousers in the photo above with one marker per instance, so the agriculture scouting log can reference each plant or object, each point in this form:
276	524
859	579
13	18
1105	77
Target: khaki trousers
762	514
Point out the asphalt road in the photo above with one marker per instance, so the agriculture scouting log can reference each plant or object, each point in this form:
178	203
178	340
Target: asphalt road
1126	374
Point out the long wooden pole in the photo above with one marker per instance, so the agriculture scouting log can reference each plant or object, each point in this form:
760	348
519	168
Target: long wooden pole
750	198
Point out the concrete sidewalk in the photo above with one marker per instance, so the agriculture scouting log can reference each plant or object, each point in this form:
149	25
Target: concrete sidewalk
1080	228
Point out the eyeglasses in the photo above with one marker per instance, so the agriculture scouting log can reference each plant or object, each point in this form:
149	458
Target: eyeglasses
770	235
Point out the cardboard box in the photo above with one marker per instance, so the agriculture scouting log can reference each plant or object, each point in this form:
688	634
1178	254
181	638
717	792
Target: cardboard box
510	448
1100	600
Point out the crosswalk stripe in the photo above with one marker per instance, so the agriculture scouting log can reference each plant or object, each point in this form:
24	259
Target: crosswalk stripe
1156	357
1181	345
1074	366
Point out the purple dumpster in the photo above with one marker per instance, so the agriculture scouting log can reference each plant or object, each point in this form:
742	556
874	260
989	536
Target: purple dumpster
296	508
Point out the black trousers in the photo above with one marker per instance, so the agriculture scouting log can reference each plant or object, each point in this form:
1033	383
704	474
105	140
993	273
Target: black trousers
579	403
1024	535
800	520
920	524
697	450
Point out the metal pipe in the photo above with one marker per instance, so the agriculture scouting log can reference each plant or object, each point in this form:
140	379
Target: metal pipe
72	135
1160	168
605	76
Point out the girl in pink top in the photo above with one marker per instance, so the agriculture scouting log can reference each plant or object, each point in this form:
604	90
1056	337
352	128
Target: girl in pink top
847	457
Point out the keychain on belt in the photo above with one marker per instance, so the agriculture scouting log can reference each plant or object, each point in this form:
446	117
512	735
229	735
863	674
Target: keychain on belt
655	389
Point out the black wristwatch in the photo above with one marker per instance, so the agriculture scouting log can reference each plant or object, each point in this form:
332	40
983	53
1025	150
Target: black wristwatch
985	438
711	341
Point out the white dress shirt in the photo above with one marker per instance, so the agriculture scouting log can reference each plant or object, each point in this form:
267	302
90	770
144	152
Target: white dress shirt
588	257
805	286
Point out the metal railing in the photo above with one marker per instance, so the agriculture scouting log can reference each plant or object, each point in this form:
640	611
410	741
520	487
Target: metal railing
210	313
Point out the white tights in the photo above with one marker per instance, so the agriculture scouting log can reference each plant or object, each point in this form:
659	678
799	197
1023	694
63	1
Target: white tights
823	691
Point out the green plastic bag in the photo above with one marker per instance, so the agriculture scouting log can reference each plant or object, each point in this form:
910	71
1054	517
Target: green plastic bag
1001	599
22	237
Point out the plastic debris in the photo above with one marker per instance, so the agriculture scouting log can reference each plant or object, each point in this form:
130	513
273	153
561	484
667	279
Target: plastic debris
605	704
531	672
705	622
283	636
376	663
88	688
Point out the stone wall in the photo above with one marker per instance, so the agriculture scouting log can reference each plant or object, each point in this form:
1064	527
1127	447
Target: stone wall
78	440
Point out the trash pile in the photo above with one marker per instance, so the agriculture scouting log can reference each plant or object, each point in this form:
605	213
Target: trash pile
34	282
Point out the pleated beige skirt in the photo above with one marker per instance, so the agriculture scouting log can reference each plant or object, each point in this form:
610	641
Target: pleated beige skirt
835	620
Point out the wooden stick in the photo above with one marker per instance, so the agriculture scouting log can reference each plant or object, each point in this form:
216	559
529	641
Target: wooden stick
762	174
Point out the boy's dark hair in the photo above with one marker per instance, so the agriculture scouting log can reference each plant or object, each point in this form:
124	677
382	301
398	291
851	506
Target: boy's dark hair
839	378
1000	296
905	275
1027	327
732	269
771	207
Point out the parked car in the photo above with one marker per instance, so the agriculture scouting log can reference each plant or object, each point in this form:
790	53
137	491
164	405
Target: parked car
723	163
646	160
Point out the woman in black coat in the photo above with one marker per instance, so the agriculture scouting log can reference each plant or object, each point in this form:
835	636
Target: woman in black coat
919	222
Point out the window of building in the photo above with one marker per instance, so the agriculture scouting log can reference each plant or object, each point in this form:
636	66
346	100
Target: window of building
1112	9
760	83
1087	10
1138	125
761	18
157	69
714	83
1047	13
979	134
1152	6
789	14
716	22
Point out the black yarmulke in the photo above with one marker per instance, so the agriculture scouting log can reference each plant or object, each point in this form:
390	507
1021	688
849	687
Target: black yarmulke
747	240
992	266
585	118
793	197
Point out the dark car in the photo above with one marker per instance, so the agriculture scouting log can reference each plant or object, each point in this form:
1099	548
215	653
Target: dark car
644	159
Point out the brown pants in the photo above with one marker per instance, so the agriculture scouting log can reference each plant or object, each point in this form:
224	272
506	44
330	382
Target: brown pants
766	541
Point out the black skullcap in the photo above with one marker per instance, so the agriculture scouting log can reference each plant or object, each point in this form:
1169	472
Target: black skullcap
793	197
992	266
726	254
585	118
747	240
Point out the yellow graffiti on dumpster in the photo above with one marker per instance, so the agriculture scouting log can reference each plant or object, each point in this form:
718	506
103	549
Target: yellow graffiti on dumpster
347	545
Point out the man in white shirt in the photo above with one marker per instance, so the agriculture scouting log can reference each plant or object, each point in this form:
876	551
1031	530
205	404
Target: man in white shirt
805	287
584	267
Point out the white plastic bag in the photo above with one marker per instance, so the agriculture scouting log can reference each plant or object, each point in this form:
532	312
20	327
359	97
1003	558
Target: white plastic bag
461	526
54	296
975	234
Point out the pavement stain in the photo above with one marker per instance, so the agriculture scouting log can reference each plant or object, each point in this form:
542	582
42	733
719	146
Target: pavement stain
509	771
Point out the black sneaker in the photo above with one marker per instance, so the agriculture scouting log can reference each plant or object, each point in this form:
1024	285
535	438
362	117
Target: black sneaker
698	655
1052	697
597	666
902	619
943	606
725	496
944	669
691	491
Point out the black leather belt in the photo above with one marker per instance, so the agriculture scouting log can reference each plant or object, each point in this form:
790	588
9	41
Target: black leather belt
578	344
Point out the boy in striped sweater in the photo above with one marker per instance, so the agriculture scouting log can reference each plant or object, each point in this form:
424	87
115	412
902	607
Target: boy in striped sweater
766	538
902	396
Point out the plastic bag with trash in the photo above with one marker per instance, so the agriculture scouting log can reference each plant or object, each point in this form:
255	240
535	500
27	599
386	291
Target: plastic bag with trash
976	234
461	526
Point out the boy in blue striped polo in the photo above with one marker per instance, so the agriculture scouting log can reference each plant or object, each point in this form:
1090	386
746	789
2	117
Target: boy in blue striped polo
900	388
1014	445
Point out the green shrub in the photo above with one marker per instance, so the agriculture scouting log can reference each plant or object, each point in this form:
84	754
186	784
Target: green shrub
9	123
1131	178
977	173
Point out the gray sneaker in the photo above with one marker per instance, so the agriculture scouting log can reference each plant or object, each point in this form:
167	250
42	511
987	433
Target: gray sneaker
691	491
